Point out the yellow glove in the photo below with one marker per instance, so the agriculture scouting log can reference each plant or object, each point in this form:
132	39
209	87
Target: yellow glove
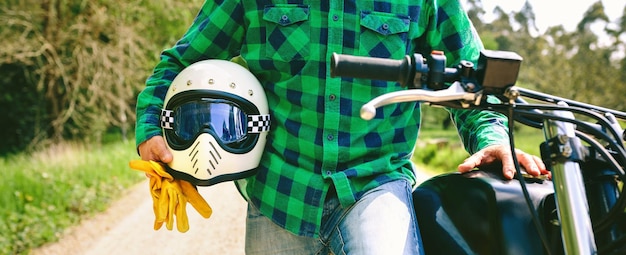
170	196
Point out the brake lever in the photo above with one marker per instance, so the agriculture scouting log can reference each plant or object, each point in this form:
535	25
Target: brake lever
456	92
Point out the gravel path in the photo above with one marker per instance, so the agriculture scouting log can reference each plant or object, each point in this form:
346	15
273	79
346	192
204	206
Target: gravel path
126	227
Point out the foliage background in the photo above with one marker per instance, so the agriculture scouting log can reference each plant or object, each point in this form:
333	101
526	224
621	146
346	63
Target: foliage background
72	68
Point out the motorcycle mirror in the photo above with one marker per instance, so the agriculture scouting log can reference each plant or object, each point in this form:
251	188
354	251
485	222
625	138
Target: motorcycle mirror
497	70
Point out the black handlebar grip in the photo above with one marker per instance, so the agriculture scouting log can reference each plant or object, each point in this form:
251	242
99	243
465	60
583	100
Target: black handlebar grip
400	71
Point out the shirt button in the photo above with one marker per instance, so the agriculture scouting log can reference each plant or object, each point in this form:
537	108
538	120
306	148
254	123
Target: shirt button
330	137
385	26
332	97
328	173
335	17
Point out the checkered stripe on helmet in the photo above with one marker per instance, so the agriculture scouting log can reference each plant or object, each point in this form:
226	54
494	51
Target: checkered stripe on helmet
167	119
258	123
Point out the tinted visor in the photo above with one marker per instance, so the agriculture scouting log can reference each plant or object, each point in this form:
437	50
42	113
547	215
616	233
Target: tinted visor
224	119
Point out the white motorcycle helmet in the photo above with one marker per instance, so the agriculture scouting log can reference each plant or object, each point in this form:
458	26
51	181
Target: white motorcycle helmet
215	122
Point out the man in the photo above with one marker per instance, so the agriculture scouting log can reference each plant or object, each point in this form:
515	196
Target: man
330	182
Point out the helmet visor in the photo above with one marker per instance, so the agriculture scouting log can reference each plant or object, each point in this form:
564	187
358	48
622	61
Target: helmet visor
225	119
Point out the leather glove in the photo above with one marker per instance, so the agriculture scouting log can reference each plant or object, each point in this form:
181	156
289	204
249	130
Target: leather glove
170	196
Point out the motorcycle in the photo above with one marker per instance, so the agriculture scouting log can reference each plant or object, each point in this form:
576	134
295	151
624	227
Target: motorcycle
580	210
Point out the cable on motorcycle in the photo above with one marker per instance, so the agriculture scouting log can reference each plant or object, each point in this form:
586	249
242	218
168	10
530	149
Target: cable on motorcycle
520	178
620	205
618	209
587	128
579	125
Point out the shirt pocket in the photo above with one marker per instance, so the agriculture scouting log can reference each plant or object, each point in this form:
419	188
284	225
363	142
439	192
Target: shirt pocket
384	35
288	32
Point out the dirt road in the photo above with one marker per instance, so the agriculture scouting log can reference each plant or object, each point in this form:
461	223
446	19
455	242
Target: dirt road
126	228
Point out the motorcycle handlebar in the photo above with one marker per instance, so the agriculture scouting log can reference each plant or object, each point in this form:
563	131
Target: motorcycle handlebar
495	74
496	70
400	71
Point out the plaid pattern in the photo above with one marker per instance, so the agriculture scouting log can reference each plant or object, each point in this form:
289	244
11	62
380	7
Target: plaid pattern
318	139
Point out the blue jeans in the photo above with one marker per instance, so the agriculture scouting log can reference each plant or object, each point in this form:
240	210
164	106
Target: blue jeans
382	222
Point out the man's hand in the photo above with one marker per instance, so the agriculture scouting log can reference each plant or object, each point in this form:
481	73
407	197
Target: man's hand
533	164
154	149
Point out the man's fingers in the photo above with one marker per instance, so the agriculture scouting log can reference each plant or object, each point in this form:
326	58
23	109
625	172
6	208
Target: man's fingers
476	160
161	153
469	164
155	149
508	168
532	164
528	162
542	167
489	155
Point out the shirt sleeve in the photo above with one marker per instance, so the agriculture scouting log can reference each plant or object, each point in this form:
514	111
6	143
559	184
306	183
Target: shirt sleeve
451	31
216	33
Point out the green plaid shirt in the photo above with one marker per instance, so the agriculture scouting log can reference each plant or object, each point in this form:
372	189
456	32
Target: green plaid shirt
318	139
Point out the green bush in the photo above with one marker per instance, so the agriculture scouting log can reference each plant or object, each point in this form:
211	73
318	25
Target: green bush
439	157
71	70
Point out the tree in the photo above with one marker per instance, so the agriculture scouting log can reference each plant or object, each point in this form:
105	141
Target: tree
85	60
570	64
526	18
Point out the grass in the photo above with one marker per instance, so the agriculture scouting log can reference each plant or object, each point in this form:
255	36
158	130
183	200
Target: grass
47	191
